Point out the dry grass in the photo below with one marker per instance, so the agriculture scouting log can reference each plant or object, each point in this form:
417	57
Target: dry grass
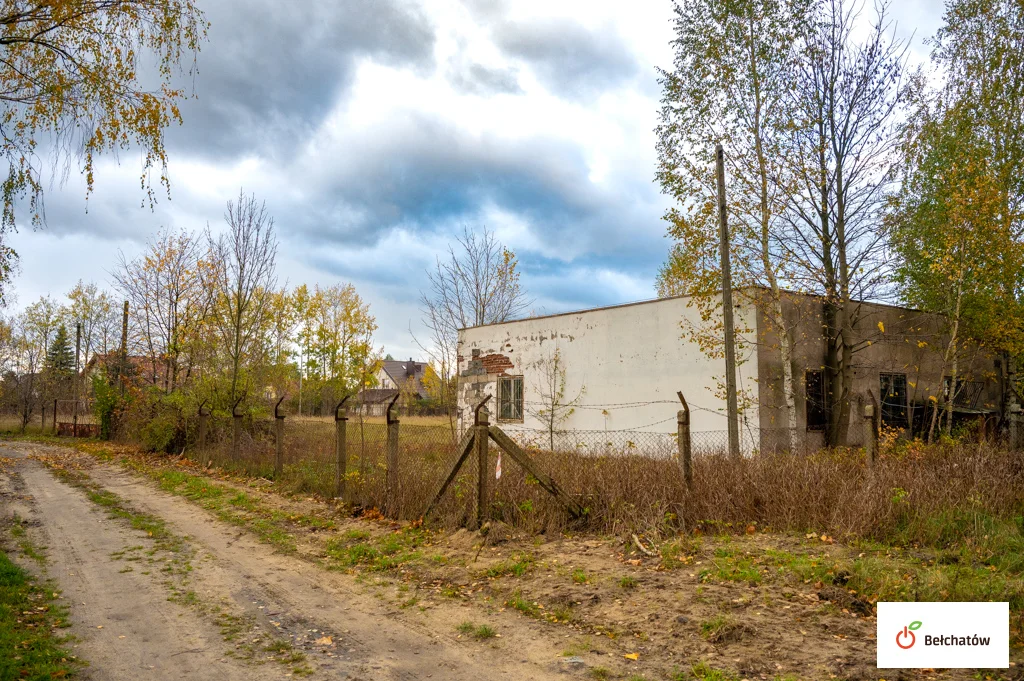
935	496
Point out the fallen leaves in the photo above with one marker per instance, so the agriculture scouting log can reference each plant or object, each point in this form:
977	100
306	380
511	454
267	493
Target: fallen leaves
632	656
325	641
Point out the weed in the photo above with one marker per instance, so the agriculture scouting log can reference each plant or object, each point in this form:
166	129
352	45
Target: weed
628	582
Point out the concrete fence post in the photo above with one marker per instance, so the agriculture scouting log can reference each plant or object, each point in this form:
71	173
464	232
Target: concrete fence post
236	431
871	437
391	482
341	451
279	442
392	474
483	490
278	439
201	445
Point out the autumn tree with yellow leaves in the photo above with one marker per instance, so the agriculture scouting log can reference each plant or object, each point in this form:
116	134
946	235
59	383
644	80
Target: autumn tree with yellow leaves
80	78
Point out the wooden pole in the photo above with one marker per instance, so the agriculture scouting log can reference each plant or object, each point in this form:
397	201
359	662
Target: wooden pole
55	417
341	450
683	436
730	340
42	421
484	473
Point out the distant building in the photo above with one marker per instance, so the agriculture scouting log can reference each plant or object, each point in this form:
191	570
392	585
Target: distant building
394	378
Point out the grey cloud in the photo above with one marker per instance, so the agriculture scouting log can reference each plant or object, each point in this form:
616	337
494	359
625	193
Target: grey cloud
476	79
423	175
272	70
568	58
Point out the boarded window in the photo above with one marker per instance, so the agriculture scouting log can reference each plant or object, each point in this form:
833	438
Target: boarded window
817	411
510	398
893	388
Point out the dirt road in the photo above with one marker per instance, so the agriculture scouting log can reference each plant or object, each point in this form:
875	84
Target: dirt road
207	601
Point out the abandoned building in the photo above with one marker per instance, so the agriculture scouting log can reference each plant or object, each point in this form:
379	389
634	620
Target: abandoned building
619	368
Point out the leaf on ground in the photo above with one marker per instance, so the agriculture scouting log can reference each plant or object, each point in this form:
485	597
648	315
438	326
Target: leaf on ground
325	641
632	656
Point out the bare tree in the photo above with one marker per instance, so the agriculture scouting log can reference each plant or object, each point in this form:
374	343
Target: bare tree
243	279
477	284
849	95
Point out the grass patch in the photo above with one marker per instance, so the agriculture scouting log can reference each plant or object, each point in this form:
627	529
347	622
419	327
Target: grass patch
516	566
528	608
628	582
579	577
30	648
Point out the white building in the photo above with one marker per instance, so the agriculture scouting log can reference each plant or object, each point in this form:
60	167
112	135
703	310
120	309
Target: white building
621	365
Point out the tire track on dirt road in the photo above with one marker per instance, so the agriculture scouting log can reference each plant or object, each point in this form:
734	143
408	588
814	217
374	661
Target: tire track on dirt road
124	626
292	596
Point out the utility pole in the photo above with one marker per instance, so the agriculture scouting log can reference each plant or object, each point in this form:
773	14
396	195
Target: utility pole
730	340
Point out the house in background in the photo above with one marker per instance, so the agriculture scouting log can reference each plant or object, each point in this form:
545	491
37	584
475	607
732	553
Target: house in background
394	378
622	365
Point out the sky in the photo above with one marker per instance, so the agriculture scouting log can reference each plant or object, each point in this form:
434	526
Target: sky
376	130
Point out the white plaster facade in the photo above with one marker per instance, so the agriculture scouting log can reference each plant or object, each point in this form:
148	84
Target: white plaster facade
624	355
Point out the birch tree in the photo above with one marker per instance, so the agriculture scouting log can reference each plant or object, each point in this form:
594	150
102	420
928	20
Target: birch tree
733	89
848	95
951	246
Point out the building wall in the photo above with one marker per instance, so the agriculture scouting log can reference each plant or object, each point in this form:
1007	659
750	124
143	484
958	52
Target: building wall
908	342
625	354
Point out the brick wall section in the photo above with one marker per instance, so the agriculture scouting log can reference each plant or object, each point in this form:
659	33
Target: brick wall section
496	364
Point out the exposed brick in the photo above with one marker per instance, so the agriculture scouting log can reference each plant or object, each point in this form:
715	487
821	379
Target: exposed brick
496	364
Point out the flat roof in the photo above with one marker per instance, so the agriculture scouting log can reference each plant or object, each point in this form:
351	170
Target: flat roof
658	300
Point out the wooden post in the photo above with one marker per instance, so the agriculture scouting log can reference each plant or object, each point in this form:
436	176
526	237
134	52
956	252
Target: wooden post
683	436
730	340
483	493
341	449
42	421
392	474
55	417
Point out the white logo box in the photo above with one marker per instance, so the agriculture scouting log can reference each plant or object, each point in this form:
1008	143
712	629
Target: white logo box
943	635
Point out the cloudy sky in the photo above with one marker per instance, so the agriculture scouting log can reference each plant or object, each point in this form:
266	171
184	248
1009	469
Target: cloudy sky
376	129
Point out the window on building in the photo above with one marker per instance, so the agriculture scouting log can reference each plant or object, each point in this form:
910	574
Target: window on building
893	388
814	390
510	398
966	393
